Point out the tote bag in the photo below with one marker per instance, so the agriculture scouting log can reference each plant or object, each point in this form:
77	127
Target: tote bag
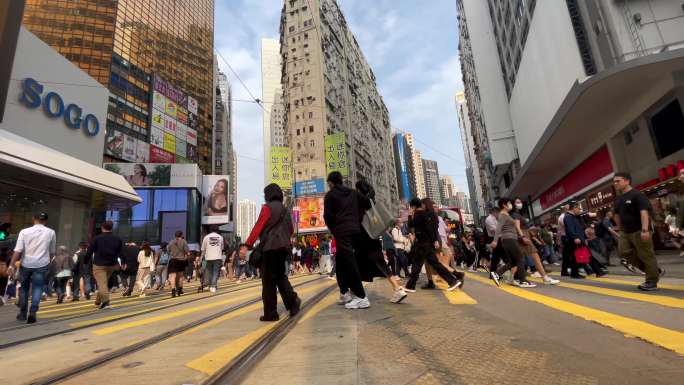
376	220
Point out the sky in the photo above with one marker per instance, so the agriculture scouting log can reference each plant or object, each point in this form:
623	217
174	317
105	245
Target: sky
413	51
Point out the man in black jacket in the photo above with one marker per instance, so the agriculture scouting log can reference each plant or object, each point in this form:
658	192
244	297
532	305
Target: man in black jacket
342	208
129	258
574	237
106	247
423	221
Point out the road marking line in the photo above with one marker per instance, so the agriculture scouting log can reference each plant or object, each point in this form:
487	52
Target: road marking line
650	298
629	283
213	361
242	311
669	339
178	313
218	358
456	297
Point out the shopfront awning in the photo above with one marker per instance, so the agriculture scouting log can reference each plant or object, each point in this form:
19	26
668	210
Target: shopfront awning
591	108
33	166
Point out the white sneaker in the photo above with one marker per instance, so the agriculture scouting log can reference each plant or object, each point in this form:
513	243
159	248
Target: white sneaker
524	284
536	274
455	286
212	289
358	303
550	281
409	290
399	295
345	298
142	295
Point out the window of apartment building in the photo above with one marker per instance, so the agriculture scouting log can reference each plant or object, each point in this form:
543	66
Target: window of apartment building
306	45
294	49
292	28
296	117
311	130
294	40
299	146
308	72
310	115
312	143
306	36
297	131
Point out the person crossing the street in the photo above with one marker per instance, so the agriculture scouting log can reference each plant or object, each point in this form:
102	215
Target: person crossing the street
635	244
508	235
106	249
145	266
178	253
35	247
212	253
424	222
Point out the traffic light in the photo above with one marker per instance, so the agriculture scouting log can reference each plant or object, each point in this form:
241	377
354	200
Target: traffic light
3	235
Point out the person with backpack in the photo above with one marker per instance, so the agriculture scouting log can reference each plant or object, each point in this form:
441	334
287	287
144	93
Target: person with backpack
274	230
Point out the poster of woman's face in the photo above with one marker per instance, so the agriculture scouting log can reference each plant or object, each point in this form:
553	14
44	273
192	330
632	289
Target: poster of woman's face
215	191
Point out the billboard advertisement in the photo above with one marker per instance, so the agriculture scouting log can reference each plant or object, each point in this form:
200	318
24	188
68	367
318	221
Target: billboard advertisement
310	187
158	174
171	128
336	154
215	189
281	167
308	215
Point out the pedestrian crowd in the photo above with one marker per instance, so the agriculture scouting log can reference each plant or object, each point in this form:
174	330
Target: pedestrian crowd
511	248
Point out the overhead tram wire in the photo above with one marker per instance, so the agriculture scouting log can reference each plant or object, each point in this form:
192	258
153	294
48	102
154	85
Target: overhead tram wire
256	100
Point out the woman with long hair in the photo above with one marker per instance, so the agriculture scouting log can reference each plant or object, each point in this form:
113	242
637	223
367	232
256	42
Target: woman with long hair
145	266
508	233
217	202
526	244
274	230
369	255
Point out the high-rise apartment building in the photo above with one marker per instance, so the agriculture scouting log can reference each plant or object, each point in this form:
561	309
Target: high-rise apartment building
447	190
246	218
271	96
223	142
474	174
280	136
135	47
573	90
329	88
416	167
432	189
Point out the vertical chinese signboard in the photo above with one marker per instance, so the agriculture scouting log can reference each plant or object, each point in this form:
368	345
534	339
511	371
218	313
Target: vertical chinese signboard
336	154
281	167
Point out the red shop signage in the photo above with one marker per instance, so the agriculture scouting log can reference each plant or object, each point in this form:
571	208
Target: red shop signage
592	169
157	155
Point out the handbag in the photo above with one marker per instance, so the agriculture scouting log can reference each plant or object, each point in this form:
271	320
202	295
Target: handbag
257	255
376	220
582	255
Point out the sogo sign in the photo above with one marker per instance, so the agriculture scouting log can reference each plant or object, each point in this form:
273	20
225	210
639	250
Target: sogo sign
54	107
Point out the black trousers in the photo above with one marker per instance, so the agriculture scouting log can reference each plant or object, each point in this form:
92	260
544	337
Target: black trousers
392	261
569	258
348	275
273	277
514	257
425	252
498	254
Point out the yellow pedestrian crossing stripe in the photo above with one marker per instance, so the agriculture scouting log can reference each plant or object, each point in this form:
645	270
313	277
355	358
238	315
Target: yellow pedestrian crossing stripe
456	297
651	298
608	279
666	338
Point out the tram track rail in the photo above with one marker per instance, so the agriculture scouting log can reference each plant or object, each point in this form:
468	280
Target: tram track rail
230	290
239	363
238	369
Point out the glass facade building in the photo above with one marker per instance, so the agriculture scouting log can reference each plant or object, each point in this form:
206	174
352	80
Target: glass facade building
123	44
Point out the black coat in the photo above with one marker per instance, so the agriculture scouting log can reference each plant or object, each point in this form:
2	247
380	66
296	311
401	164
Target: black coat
343	208
368	251
129	257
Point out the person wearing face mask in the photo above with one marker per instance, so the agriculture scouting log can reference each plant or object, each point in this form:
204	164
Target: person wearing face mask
508	233
526	244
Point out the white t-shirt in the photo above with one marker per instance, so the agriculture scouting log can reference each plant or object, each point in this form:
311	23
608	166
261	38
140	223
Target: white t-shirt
561	225
490	225
36	243
212	247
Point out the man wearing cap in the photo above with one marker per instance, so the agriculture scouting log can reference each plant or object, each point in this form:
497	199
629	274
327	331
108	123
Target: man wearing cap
36	248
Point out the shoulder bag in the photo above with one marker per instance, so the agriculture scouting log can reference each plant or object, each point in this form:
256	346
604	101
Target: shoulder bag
257	255
376	220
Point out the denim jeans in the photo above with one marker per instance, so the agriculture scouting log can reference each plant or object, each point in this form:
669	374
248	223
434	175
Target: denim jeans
241	269
31	279
211	273
548	254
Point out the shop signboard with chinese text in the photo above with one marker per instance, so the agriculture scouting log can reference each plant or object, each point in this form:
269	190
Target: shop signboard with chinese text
336	154
281	167
310	187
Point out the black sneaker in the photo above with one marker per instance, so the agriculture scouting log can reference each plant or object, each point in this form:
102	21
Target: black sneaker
180	291
21	317
648	286
105	306
295	307
661	272
173	293
629	266
577	276
31	319
263	318
88	296
429	286
460	276
75	299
